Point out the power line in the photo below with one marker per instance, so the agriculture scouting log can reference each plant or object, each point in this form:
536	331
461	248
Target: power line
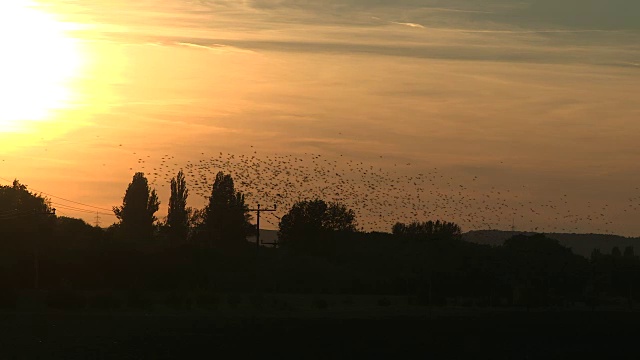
77	209
276	216
70	207
11	214
61	198
258	211
62	212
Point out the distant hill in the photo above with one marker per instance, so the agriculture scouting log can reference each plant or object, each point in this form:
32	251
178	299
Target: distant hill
581	244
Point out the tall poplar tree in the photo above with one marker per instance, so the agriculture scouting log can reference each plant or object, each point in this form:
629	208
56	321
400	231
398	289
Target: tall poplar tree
178	214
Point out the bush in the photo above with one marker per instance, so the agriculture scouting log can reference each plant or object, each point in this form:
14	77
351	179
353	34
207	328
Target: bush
483	302
320	303
234	300
208	300
257	301
281	305
384	302
177	301
8	300
348	300
423	298
65	299
104	301
139	300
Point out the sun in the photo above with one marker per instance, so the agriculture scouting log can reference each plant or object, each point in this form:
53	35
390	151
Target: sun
38	60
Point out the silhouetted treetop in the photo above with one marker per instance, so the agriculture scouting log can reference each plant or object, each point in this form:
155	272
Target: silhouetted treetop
137	213
16	198
428	231
22	209
226	217
616	252
628	251
313	218
178	214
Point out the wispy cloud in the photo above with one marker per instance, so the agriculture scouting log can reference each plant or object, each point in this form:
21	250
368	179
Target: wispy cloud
413	25
210	46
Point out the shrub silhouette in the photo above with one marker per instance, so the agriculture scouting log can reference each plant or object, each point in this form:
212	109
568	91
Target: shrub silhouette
384	302
104	301
257	301
177	301
234	300
207	300
8	299
66	299
139	300
320	303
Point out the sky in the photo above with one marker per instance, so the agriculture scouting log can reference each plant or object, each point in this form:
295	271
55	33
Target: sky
518	114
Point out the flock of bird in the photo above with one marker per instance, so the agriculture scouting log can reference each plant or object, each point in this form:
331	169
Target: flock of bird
379	194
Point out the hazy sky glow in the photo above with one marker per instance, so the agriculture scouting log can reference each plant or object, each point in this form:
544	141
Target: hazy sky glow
538	97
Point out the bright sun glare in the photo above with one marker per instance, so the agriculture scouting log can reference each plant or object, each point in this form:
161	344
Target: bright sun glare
37	62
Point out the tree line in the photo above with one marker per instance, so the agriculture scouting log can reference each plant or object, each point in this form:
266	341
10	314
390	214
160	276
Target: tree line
320	250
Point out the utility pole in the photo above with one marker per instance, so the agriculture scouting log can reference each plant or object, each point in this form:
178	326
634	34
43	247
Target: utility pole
97	219
258	210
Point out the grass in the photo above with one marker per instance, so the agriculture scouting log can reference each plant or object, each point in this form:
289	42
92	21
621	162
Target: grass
444	334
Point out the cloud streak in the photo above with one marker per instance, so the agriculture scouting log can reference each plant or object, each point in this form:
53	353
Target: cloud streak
463	30
413	25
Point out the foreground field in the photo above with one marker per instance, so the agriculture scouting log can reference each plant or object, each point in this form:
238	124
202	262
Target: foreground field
443	334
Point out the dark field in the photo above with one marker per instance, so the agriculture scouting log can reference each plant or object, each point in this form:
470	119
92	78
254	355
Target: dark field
438	334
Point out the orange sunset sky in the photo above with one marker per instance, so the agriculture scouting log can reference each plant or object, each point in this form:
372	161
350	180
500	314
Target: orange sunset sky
508	113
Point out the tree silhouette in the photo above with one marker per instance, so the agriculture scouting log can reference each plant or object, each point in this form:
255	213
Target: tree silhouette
428	231
615	252
628	252
17	198
26	226
310	220
71	234
178	214
434	251
21	209
23	214
139	205
543	267
226	216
